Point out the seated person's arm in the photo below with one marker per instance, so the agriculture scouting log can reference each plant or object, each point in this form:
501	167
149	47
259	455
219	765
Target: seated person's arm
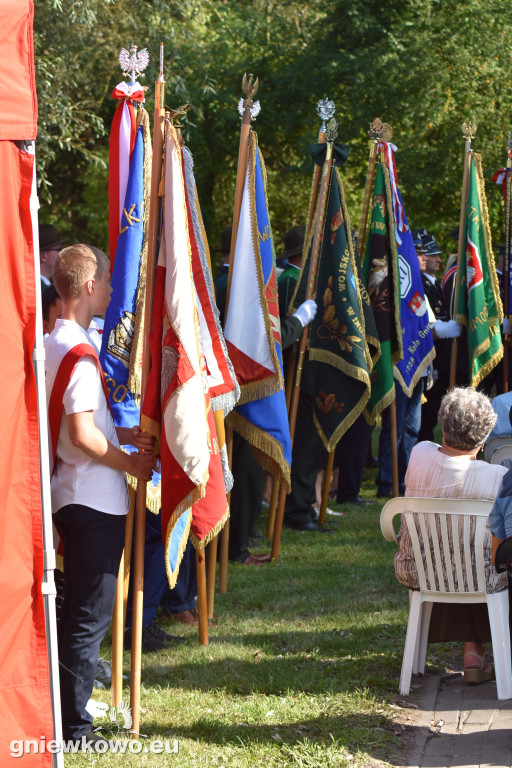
500	519
84	434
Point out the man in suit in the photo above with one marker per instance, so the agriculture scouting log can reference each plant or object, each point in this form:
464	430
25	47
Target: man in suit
429	256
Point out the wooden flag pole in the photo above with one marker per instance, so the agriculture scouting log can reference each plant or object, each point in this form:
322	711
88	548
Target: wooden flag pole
140	505
468	131
506	260
202	608
119	612
310	293
224	539
370	178
326	487
116	683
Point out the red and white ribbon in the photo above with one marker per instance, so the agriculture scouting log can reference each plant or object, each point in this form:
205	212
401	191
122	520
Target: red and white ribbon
132	91
389	154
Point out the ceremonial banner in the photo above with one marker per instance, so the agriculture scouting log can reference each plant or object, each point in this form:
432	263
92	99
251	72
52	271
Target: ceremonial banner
253	332
123	330
417	339
382	279
337	374
479	305
177	406
222	383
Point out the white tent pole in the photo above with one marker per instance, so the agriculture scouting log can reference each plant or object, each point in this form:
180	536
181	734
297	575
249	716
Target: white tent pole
48	585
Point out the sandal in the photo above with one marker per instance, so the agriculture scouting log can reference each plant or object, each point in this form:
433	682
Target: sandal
474	675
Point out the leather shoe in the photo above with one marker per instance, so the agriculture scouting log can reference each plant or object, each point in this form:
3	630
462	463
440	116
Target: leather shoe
254	560
358	501
384	495
310	526
185	617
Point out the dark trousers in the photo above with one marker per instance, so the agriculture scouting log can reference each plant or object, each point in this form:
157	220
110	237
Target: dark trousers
246	495
408	422
156	587
350	458
182	597
93	542
309	455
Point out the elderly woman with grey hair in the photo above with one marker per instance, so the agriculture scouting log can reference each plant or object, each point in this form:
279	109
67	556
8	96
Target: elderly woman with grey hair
452	471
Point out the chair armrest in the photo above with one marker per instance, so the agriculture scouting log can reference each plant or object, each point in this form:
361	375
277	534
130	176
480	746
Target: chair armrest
389	511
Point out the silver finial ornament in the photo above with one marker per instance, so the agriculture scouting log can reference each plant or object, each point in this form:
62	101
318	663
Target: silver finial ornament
325	109
132	63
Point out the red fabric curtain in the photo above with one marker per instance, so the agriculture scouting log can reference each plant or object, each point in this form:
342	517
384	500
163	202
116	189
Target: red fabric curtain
18	117
25	704
25	701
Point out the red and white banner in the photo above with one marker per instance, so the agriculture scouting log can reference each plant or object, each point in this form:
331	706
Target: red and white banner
222	383
177	396
122	140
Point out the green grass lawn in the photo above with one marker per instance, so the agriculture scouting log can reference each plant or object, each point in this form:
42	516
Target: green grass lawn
302	666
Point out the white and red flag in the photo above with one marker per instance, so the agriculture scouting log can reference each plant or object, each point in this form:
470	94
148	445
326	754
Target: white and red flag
177	404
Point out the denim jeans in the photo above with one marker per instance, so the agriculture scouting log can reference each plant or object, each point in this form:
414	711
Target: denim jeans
93	542
408	422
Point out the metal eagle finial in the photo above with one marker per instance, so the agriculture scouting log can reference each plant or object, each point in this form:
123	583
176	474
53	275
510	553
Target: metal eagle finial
250	89
132	63
469	130
380	131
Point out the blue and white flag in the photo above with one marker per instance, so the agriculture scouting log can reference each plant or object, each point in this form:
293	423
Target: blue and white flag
417	340
121	348
253	332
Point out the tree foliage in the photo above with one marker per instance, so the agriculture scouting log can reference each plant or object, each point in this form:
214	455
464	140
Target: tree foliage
424	66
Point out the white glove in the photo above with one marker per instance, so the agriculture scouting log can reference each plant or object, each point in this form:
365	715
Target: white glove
306	312
506	326
447	329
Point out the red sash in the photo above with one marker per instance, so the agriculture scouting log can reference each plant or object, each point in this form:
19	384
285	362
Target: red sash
64	373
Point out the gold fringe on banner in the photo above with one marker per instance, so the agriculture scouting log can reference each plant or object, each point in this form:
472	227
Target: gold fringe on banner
135	369
201	544
269	450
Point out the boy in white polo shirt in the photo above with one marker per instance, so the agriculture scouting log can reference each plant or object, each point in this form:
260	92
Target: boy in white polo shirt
89	493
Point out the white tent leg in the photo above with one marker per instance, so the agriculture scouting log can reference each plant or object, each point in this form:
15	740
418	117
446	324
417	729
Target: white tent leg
48	585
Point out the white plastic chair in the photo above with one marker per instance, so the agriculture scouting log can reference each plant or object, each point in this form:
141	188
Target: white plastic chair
448	578
493	444
501	455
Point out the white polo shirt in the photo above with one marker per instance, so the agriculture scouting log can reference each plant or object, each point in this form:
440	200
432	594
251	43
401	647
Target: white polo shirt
77	478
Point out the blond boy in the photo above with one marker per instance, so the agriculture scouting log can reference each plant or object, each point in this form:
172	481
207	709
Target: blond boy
89	494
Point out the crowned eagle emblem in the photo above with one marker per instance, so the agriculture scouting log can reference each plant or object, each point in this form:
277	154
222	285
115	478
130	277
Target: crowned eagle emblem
132	63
